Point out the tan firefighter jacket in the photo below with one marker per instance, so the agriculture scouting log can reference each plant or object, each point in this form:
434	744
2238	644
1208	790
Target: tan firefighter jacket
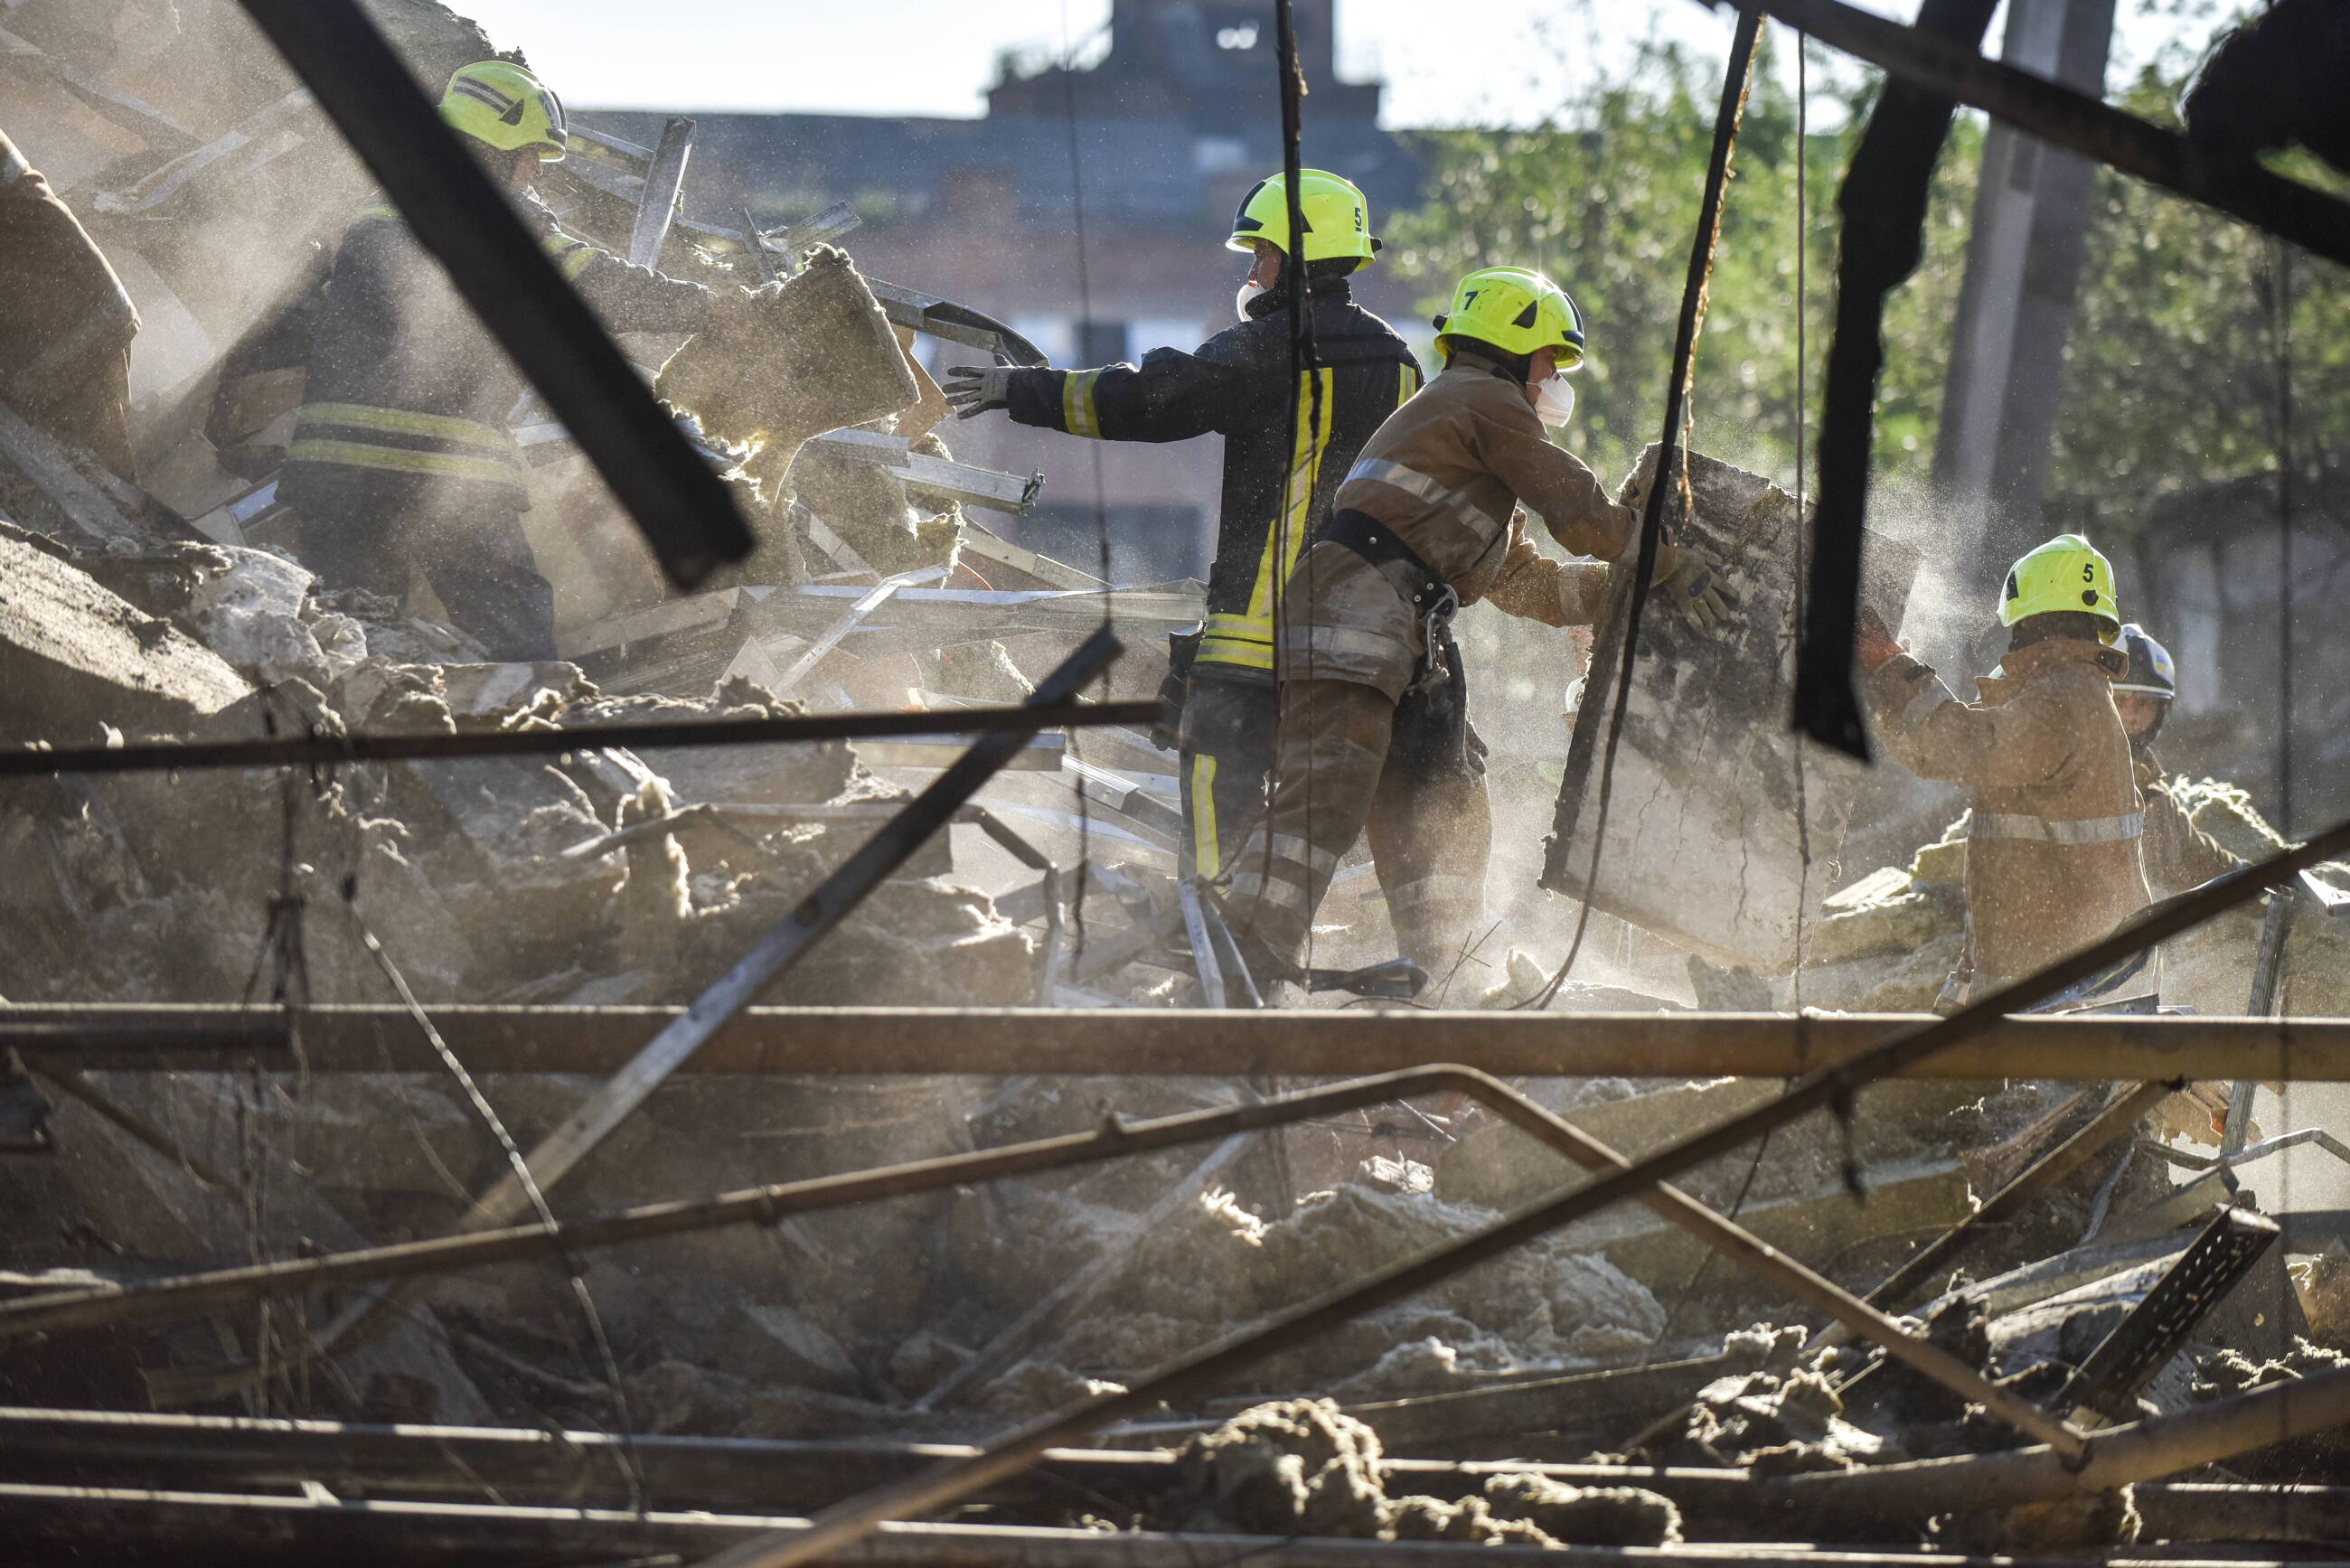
2178	853
66	323
2052	846
1448	472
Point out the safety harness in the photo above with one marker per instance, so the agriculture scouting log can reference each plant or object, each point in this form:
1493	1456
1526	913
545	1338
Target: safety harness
1433	600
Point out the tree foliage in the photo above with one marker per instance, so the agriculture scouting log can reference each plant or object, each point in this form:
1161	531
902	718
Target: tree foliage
2172	370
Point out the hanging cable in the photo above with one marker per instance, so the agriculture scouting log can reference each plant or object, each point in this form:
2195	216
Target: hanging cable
2280	261
1803	529
1304	398
1803	805
1670	469
1101	506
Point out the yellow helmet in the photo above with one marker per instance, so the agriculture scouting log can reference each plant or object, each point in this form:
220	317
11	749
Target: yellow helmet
2067	573
501	104
1338	218
1516	311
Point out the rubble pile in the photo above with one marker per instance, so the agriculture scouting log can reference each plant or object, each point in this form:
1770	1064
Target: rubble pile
1218	1264
1605	1383
1886	941
485	878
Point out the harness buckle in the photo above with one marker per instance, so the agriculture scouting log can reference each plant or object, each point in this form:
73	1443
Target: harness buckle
1433	623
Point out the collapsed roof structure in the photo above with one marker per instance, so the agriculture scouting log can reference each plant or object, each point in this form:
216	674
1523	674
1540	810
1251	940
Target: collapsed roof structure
401	1165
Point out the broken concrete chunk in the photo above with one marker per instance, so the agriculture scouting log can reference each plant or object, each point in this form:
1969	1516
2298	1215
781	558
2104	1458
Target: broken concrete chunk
73	654
1704	845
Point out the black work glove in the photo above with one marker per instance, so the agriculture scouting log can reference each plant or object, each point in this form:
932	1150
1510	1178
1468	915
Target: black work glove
975	388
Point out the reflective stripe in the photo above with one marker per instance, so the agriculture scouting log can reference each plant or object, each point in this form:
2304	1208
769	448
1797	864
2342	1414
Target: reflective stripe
1078	415
1247	640
1344	642
406	421
1296	851
1412	481
13	168
381	212
1278	890
483	92
394	460
2039	830
1413	896
1237	639
1930	697
1407	383
1207	856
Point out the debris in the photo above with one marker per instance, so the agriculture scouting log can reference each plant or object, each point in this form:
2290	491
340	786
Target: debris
74	656
1303	1467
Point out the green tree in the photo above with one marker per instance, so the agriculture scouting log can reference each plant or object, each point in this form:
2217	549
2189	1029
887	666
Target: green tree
2172	370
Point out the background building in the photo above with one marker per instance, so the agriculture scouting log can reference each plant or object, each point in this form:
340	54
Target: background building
1087	209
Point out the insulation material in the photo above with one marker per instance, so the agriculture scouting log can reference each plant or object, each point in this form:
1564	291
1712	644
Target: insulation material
1703	836
791	360
1303	1467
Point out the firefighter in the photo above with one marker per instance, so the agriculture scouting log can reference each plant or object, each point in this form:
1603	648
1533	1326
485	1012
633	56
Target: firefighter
2053	843
2178	853
401	459
1374	723
1240	384
66	323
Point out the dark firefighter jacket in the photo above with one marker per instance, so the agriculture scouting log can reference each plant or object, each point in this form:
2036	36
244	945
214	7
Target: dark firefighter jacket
408	391
1238	384
65	324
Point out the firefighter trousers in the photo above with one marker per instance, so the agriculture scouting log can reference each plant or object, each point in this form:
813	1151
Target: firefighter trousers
1226	751
1339	774
360	534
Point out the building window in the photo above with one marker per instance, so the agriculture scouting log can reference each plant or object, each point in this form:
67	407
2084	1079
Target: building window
1100	342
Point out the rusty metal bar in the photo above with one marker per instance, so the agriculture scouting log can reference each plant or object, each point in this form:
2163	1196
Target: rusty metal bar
543	1463
2114	1122
221	1038
326	750
866	1042
112	1524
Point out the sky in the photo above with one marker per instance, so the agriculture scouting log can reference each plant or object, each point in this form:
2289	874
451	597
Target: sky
939	57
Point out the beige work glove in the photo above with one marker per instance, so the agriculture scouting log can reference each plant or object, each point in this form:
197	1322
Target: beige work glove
1693	583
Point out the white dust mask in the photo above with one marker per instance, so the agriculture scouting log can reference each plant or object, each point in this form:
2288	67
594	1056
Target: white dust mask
1554	399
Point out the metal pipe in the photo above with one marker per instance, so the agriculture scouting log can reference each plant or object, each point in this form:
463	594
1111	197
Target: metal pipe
851	1521
327	751
869	1042
2145	1450
538	1463
114	1525
82	1309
